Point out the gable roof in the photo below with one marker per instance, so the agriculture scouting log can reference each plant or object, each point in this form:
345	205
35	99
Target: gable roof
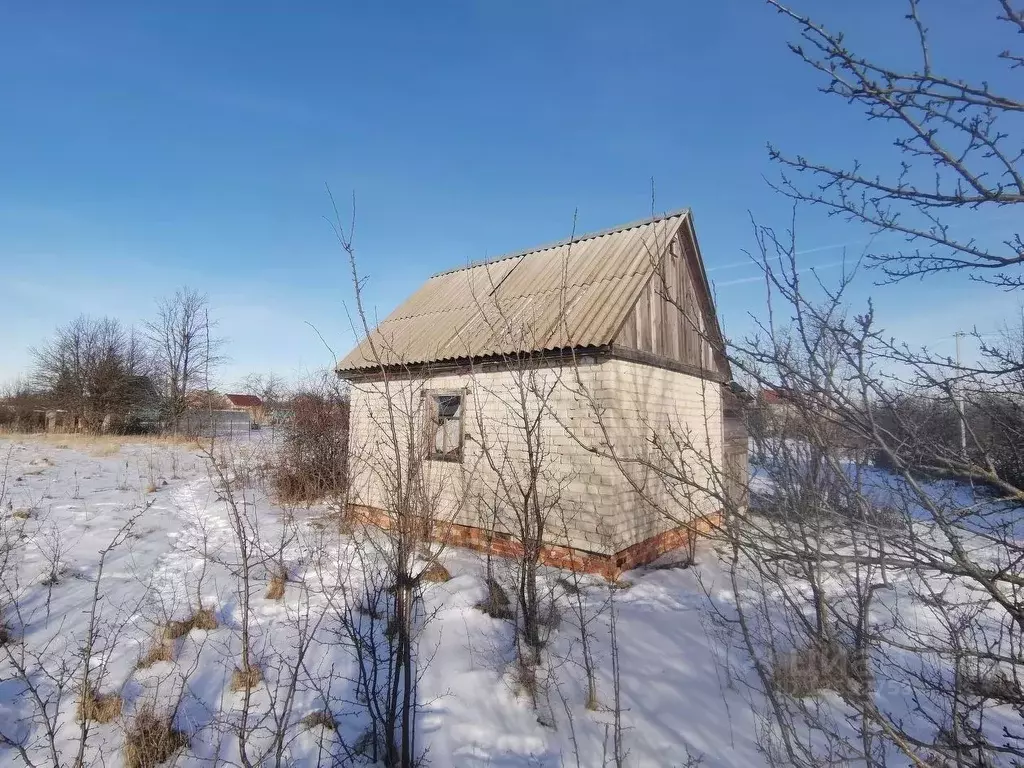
244	401
569	294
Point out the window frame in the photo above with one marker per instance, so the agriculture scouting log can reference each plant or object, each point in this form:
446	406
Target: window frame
434	424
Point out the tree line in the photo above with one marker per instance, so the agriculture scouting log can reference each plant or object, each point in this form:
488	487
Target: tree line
104	374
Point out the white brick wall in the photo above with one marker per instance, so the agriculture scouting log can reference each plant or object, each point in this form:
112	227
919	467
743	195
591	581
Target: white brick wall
590	502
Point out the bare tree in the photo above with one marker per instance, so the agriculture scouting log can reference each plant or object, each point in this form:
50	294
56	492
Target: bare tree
879	557
391	471
960	150
185	351
91	368
270	388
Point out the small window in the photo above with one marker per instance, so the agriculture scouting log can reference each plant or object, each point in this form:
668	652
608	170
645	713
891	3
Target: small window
444	431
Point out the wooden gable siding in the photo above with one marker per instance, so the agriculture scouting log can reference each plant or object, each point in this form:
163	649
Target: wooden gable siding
671	319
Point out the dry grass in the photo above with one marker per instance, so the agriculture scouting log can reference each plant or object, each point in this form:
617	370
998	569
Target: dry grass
320	719
98	445
99	707
817	667
23	513
526	679
204	620
497	605
245	679
435	573
275	590
151	739
160	650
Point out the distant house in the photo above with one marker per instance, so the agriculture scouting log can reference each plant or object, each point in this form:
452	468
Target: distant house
626	316
249	403
243	402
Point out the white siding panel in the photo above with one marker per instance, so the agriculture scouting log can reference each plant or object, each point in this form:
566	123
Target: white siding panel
593	500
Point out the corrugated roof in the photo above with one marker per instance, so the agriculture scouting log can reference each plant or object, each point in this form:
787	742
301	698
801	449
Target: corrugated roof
574	293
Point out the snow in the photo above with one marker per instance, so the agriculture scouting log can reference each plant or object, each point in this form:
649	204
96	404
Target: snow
78	497
685	692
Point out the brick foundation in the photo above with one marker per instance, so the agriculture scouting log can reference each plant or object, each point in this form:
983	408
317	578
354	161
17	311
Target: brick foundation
503	545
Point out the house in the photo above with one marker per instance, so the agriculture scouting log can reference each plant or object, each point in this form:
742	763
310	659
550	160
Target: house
616	337
242	402
251	403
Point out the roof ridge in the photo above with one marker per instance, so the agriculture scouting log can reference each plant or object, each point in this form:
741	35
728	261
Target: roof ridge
566	241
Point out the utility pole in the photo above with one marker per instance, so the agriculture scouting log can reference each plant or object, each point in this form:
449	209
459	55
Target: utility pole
958	397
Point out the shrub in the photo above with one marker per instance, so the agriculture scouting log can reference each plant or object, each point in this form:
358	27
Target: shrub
99	707
435	573
320	719
497	604
826	665
151	739
314	456
246	678
159	650
275	589
203	619
926	433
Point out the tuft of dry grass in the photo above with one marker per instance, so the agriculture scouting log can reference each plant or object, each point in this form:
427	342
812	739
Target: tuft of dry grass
160	650
151	739
245	679
204	620
150	487
435	573
175	629
99	707
819	666
23	513
496	605
320	719
526	679
275	590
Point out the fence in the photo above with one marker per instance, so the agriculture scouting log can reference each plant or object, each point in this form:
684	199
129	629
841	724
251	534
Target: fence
220	423
198	423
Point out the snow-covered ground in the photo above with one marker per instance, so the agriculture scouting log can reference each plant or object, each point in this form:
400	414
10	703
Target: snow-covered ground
65	504
685	693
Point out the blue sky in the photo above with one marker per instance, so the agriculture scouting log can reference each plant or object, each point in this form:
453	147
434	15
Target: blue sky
144	146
